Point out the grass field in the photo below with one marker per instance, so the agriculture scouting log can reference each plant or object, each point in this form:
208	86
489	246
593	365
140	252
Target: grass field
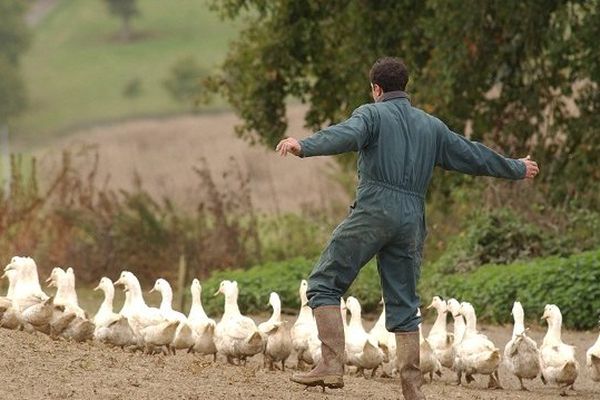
76	69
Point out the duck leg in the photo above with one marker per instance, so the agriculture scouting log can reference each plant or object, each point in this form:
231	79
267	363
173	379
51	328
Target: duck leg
430	377
458	378
283	364
215	357
522	385
373	372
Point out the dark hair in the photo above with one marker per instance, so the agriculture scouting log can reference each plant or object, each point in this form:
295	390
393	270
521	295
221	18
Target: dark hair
389	73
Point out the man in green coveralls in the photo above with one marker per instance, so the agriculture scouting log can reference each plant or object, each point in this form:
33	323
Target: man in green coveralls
398	146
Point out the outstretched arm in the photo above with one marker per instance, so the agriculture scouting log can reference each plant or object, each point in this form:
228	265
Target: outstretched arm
457	153
350	135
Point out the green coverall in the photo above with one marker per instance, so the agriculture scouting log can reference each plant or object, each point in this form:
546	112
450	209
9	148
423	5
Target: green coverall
398	146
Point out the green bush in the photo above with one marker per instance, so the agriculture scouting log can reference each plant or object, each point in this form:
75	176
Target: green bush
284	277
502	236
571	283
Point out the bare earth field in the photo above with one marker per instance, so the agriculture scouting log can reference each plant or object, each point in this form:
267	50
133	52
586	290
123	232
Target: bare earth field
36	367
164	151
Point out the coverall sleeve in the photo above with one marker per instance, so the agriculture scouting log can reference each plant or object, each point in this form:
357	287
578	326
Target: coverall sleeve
457	153
350	135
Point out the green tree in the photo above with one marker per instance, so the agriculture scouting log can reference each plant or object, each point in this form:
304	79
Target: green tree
14	39
184	82
126	10
523	75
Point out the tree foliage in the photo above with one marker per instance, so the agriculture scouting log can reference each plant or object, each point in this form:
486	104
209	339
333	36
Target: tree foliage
522	75
14	39
184	82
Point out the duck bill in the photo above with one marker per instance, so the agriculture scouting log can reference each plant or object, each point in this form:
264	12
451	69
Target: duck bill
152	290
218	292
97	288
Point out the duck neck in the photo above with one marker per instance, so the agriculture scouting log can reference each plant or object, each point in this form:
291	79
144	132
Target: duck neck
166	303
519	327
597	344
553	336
109	295
11	288
356	318
231	306
136	299
197	308
381	319
459	328
471	324
276	316
440	322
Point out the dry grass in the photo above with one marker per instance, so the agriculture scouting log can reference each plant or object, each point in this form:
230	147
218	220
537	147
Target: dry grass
163	152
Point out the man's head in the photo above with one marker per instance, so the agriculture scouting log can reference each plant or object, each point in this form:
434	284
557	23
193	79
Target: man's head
386	75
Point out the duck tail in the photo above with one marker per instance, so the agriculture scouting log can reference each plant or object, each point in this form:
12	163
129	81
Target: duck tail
495	356
570	368
255	338
595	360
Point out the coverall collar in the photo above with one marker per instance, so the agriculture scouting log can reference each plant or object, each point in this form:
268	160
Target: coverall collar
395	94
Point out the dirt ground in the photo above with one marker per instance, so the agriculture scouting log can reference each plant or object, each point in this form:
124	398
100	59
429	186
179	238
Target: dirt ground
36	367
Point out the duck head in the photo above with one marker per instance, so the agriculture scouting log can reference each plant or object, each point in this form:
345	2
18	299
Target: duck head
159	286
224	288
302	291
454	307
104	285
439	304
57	274
466	309
274	300
124	280
552	314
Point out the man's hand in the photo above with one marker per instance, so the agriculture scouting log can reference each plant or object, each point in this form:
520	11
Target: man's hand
289	145
531	168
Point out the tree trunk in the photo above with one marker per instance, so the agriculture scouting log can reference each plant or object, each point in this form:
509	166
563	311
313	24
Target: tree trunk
126	30
5	159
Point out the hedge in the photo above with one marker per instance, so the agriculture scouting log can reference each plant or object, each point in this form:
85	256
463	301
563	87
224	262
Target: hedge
573	284
258	282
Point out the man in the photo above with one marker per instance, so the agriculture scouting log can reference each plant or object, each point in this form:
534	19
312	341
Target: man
398	146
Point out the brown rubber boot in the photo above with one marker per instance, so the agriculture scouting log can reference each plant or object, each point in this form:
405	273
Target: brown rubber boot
329	371
408	358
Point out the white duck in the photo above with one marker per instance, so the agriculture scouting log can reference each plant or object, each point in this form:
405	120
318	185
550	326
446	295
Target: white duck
592	357
119	333
429	363
557	359
440	340
137	312
105	315
521	353
459	326
362	350
159	336
9	318
203	327
184	336
387	343
64	282
303	328
476	354
27	289
278	345
236	336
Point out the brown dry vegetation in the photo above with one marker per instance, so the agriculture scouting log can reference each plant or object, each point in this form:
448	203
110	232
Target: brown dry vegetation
163	153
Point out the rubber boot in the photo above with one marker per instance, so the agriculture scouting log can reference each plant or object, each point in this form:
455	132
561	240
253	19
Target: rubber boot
329	371
408	359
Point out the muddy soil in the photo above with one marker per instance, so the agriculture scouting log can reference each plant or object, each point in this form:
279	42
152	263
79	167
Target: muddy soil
36	367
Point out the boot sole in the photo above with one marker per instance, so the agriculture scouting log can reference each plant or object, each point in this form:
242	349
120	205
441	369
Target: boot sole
331	382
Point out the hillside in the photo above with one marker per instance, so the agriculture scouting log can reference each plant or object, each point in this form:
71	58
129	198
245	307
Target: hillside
76	69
